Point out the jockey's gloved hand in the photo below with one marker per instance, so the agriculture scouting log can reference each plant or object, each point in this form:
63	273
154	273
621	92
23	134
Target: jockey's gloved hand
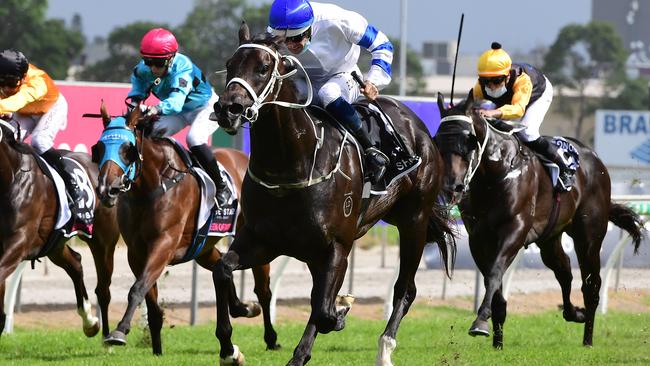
152	112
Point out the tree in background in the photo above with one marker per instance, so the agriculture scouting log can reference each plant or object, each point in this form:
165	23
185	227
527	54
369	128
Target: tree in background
124	54
47	43
414	72
633	96
209	34
582	53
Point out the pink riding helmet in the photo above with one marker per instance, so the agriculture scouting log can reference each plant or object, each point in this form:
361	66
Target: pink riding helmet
158	43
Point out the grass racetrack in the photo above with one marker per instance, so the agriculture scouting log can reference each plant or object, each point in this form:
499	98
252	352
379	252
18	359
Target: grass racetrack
429	335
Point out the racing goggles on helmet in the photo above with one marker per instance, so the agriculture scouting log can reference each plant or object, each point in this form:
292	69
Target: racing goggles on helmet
299	37
156	61
493	80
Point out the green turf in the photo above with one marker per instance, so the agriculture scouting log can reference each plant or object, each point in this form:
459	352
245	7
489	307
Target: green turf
428	336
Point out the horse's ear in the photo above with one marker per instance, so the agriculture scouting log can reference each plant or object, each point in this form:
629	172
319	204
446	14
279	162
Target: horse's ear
469	102
244	33
106	118
441	103
134	116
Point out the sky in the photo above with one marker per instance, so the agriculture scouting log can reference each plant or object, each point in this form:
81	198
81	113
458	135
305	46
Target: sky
519	25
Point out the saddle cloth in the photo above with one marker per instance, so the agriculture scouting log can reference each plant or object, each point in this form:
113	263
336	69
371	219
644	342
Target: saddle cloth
65	217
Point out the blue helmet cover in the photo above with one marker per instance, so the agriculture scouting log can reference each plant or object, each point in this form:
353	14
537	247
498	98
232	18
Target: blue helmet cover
290	14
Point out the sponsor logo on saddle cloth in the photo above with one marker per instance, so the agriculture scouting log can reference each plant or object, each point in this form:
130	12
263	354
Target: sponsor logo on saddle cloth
571	158
65	209
221	221
212	220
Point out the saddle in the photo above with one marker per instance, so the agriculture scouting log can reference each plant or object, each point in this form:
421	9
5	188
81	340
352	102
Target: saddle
384	137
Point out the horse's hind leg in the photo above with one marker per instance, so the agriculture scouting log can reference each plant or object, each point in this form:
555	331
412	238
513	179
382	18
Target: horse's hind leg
70	261
103	250
412	240
588	232
555	258
154	319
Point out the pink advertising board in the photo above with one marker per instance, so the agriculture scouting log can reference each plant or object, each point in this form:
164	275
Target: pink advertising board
79	134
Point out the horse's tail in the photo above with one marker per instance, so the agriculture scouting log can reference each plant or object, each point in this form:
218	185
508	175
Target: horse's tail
439	230
628	220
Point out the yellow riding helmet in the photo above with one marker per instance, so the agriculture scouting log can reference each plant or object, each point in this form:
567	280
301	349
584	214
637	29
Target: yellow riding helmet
494	62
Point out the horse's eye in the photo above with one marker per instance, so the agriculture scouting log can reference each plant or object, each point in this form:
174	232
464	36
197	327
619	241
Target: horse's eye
127	153
264	69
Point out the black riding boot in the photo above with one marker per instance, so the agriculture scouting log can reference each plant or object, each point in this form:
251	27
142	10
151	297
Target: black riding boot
376	161
204	155
552	152
54	158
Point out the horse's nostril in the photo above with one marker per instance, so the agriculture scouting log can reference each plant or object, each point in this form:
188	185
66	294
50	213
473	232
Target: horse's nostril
235	109
459	188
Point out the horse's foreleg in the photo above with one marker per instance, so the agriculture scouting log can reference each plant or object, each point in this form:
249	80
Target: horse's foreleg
70	261
9	260
145	279
103	250
412	240
493	269
154	319
263	292
229	353
499	307
325	317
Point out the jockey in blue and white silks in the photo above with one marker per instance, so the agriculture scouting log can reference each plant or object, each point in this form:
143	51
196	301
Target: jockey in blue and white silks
327	40
185	95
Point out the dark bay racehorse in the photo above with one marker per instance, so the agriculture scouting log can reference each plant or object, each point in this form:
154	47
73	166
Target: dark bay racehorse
28	206
157	218
303	195
510	202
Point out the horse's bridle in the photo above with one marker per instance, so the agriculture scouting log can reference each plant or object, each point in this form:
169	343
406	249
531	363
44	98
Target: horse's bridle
132	171
251	113
475	155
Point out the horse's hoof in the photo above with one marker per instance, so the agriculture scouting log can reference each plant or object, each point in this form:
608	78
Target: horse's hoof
274	347
115	338
254	309
92	330
479	328
236	359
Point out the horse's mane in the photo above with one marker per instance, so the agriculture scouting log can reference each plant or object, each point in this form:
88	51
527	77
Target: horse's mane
17	145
